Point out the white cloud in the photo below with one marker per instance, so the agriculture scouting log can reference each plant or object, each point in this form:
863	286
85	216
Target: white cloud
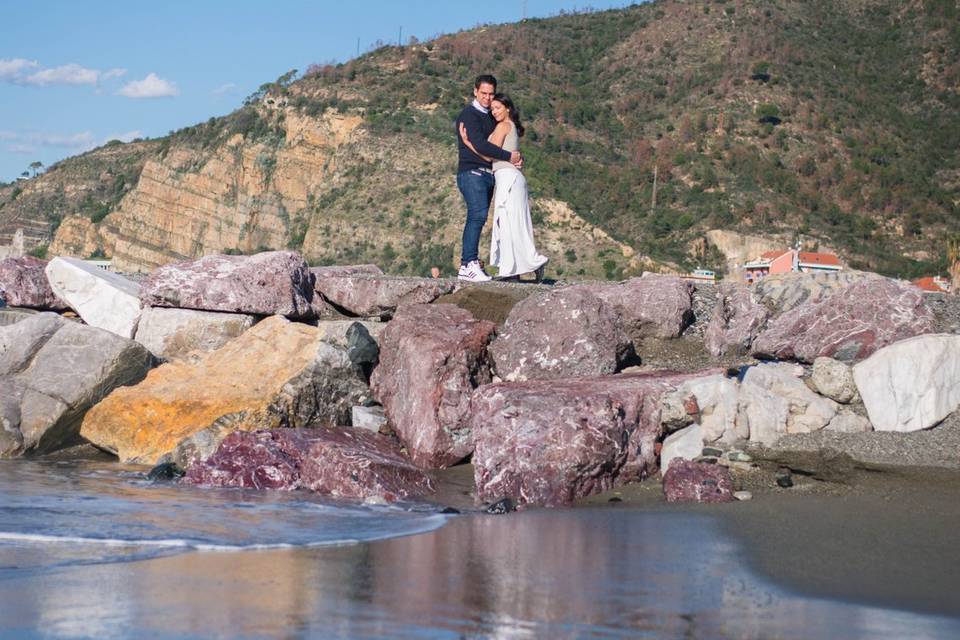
7	135
113	73
66	74
150	87
30	72
224	89
29	142
13	68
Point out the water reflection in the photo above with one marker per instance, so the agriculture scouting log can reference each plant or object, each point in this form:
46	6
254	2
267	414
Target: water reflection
557	574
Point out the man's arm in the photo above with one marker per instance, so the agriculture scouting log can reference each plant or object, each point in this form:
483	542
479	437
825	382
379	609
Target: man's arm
480	143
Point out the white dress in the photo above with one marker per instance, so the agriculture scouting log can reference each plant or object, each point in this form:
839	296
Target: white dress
512	249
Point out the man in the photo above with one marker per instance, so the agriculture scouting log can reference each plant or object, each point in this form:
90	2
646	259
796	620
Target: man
474	175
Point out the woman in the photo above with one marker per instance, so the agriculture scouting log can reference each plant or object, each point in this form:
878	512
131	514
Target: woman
512	249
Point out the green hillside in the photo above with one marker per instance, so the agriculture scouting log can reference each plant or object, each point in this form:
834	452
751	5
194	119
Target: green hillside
834	122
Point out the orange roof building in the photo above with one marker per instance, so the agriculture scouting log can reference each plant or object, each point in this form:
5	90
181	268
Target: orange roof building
787	260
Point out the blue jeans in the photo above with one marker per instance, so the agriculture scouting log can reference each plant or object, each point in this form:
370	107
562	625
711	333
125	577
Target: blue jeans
477	190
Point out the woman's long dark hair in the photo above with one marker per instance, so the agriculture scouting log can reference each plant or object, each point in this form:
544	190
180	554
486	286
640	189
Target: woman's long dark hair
505	100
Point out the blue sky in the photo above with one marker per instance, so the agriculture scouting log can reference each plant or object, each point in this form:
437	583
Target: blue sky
74	74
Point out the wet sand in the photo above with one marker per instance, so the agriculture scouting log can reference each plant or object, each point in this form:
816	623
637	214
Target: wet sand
885	537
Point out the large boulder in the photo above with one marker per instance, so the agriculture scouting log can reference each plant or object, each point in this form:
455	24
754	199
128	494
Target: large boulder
549	442
657	306
783	292
558	334
736	321
368	295
276	374
717	400
336	462
273	282
103	299
834	379
432	357
175	334
912	384
12	316
685	444
23	283
688	481
774	400
848	325
52	372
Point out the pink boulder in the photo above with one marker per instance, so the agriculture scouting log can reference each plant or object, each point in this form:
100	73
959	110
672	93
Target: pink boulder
378	295
655	305
559	334
688	481
432	357
339	462
269	283
849	325
23	283
550	442
736	321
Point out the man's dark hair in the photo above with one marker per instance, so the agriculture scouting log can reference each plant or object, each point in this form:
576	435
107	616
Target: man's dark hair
485	79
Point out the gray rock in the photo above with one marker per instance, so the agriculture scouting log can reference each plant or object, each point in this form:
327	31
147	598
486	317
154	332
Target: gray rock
379	296
742	496
432	357
23	283
911	385
53	374
103	299
736	321
10	315
849	422
269	283
558	334
549	442
174	334
655	305
20	342
834	379
849	325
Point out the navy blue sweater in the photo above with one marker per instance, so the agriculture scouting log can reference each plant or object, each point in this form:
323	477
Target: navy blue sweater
479	127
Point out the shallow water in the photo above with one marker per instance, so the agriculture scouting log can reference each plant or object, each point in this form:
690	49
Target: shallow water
89	550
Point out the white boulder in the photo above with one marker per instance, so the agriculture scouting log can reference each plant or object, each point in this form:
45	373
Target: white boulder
685	444
103	299
912	384
173	334
774	401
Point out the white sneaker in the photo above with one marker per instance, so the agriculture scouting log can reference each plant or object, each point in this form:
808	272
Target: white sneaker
473	272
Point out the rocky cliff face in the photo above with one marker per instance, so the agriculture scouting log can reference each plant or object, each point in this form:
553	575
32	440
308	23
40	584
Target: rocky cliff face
325	187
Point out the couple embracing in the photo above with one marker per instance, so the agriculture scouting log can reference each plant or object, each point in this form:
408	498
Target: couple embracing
488	140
